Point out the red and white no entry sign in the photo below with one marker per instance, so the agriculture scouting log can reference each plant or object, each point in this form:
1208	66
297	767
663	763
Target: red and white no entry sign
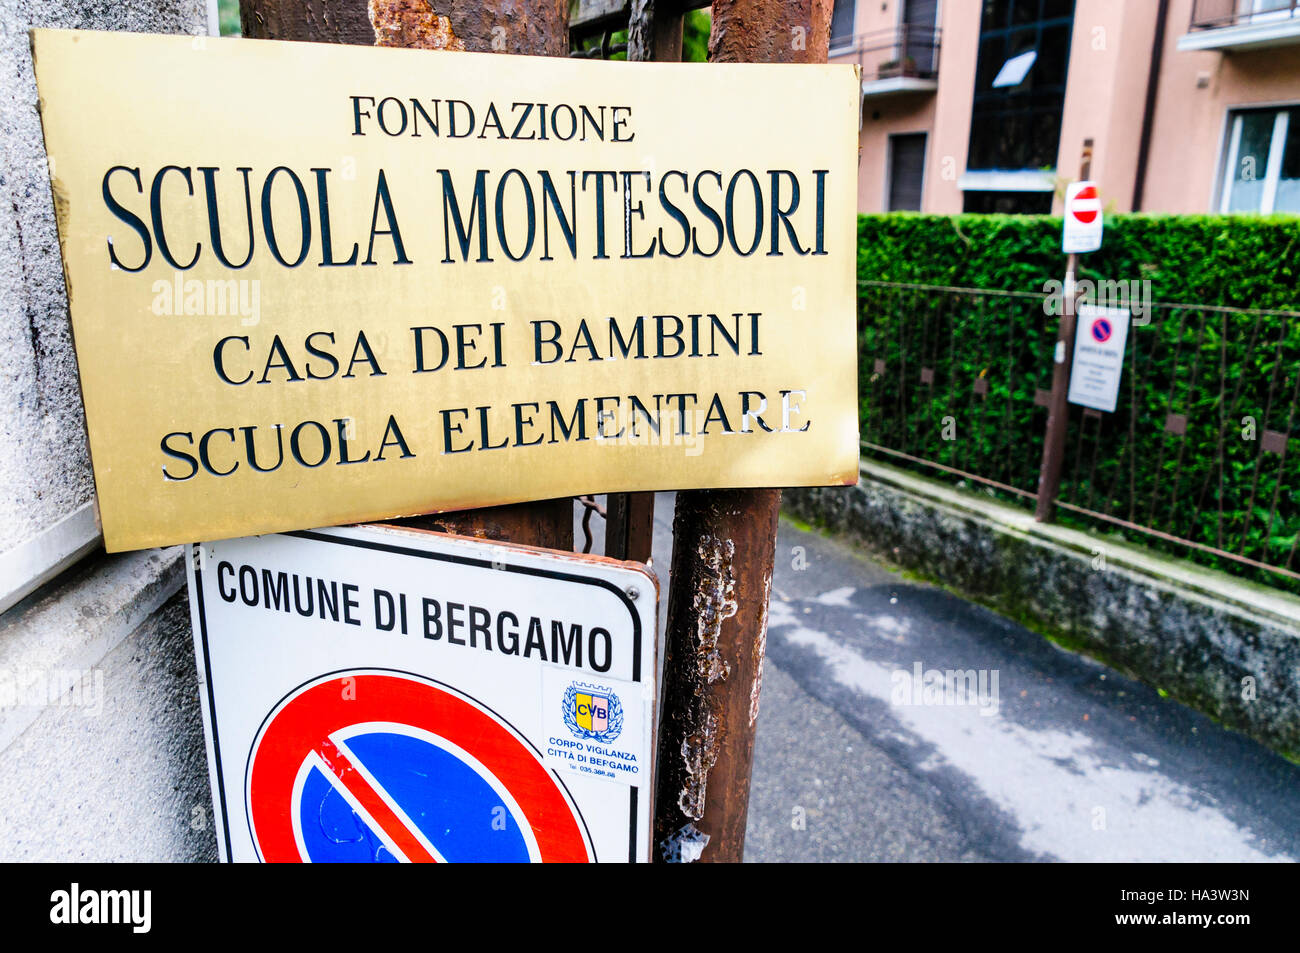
1082	227
1086	206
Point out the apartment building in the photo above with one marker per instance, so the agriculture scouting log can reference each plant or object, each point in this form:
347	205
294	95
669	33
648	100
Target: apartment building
984	105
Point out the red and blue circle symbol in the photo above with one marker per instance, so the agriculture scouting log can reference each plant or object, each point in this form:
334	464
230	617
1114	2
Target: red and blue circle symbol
385	767
1102	330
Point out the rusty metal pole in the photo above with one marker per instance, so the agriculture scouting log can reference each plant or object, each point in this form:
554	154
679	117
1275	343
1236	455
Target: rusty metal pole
629	526
655	31
1058	408
548	523
723	550
532	27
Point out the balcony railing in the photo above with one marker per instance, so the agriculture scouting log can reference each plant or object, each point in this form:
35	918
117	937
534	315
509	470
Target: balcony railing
1242	25
1218	14
904	53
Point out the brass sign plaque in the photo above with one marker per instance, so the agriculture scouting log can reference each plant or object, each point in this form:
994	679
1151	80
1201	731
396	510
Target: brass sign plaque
315	284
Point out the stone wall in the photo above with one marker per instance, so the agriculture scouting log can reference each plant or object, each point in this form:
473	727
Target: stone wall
101	740
47	518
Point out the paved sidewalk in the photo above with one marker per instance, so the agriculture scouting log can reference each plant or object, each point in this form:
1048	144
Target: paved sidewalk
1066	760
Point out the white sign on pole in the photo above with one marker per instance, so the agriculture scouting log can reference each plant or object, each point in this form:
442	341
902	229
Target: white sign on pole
373	693
1100	337
1082	228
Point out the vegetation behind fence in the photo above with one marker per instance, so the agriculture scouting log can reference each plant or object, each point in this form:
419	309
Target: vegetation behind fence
1241	261
1198	458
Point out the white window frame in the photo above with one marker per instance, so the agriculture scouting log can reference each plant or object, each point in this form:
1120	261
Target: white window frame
1263	11
848	42
1273	167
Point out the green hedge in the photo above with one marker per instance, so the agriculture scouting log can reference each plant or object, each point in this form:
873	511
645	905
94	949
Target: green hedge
1248	262
984	357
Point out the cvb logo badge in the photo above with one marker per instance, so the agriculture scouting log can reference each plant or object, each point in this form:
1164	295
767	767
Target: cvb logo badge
592	713
74	906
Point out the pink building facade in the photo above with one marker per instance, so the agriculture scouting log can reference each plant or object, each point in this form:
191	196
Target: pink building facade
1193	106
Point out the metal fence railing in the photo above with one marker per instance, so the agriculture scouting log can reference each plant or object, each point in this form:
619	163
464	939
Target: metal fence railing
941	365
905	51
1196	457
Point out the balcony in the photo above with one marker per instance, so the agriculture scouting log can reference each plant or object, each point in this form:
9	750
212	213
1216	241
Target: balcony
1242	25
903	60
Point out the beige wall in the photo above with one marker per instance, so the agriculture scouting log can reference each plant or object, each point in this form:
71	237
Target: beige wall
1105	94
950	140
1110	58
1190	121
870	16
944	116
881	118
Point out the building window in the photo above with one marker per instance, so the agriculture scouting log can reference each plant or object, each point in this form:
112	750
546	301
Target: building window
906	172
920	39
1024	50
1261	171
842	26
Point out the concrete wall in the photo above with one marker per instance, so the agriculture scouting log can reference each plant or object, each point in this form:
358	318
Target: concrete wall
101	736
101	751
1225	647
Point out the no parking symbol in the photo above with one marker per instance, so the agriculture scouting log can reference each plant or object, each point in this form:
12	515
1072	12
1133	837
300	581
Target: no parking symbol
378	694
1100	340
342	771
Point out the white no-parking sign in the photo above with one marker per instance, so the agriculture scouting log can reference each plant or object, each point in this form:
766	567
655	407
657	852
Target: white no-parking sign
1100	338
379	694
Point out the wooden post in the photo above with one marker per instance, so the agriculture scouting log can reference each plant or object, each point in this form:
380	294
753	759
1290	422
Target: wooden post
723	550
533	27
1058	412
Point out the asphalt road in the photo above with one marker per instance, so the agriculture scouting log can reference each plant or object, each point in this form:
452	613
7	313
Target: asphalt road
1059	759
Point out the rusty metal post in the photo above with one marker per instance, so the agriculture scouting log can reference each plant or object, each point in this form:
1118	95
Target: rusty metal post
1058	408
548	523
532	27
723	546
770	31
629	526
723	550
655	31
